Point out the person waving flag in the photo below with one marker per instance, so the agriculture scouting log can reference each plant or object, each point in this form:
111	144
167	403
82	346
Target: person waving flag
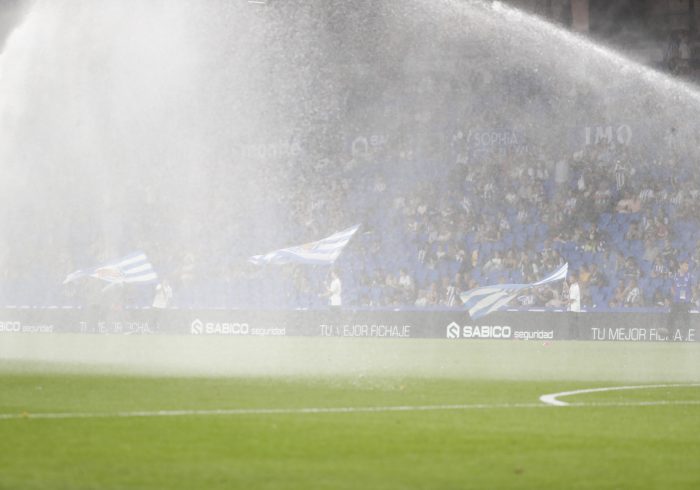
133	268
321	252
487	299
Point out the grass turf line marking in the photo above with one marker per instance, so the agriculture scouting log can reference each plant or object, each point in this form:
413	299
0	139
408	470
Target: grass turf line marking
320	410
263	411
552	398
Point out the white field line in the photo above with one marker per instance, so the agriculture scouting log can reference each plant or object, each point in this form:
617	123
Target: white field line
553	398
322	410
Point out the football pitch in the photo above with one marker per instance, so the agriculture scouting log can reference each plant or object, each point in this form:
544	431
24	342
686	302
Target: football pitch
90	412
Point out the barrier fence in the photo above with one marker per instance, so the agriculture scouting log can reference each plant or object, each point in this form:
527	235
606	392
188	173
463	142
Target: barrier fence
449	325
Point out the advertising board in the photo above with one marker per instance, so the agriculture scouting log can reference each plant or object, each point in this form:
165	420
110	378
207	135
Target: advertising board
452	325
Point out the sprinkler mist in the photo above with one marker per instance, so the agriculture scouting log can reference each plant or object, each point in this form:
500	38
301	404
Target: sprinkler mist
206	132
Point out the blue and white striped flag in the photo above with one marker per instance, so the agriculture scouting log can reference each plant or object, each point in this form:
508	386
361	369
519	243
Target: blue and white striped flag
487	299
322	252
133	268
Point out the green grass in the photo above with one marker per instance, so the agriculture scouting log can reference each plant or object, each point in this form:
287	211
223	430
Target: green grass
594	447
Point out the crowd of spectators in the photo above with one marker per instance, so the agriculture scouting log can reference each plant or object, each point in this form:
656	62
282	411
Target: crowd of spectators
622	223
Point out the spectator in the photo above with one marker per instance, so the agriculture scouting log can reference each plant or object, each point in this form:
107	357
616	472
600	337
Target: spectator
633	232
407	287
681	294
597	278
526	298
668	253
651	250
448	293
631	270
334	290
494	264
659	300
659	269
618	298
163	295
628	204
632	294
574	294
683	61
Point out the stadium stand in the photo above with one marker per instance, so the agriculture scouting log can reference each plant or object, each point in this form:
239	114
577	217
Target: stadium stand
434	224
430	232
